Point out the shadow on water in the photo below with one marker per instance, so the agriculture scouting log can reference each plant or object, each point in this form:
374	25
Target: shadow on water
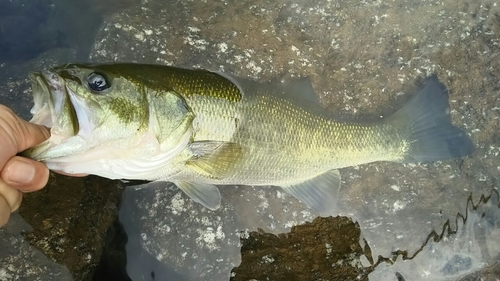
194	243
29	28
36	35
22	35
122	248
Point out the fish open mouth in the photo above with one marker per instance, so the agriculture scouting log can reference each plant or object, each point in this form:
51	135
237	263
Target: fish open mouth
52	108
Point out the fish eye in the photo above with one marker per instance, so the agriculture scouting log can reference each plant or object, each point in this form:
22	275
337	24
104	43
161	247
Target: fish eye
97	82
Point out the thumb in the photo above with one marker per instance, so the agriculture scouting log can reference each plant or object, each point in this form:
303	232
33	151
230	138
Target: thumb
25	174
30	134
17	134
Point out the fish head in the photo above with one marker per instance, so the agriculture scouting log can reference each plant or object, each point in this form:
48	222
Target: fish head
97	117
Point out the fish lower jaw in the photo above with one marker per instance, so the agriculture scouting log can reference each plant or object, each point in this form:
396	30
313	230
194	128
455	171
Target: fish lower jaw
41	110
52	107
42	116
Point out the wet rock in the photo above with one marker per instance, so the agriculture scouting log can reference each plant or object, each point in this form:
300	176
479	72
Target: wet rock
325	249
70	217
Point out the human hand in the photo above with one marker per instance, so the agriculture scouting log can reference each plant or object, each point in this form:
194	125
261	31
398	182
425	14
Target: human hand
18	174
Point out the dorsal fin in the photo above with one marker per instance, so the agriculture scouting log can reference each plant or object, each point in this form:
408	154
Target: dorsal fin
299	91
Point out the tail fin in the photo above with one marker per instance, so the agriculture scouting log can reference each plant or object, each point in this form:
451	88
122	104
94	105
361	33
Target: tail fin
433	136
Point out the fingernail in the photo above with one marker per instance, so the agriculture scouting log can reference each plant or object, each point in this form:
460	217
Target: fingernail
21	172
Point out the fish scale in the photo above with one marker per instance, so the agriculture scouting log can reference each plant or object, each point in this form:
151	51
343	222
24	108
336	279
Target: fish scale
285	144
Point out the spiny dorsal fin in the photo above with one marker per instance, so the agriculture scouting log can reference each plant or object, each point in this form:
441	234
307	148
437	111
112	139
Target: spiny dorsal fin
214	159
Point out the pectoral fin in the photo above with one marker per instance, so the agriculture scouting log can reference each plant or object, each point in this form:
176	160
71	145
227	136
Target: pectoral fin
214	159
206	194
319	193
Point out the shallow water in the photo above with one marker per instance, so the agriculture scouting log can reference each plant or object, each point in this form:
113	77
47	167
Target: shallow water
434	221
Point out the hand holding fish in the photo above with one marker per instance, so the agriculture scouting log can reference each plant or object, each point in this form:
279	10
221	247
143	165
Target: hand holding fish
18	174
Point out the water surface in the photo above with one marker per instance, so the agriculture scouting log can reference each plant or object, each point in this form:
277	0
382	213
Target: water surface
434	221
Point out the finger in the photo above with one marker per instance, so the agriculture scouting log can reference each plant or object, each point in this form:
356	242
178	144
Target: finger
25	174
32	134
22	134
4	211
12	196
17	202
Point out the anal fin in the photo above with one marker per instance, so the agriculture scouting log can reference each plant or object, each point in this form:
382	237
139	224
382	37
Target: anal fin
319	193
206	194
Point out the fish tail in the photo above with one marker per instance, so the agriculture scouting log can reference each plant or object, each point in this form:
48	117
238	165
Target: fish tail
432	136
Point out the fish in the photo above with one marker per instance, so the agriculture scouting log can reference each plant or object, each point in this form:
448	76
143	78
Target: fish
201	129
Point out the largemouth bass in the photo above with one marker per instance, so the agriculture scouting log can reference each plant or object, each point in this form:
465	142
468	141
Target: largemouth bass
199	129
